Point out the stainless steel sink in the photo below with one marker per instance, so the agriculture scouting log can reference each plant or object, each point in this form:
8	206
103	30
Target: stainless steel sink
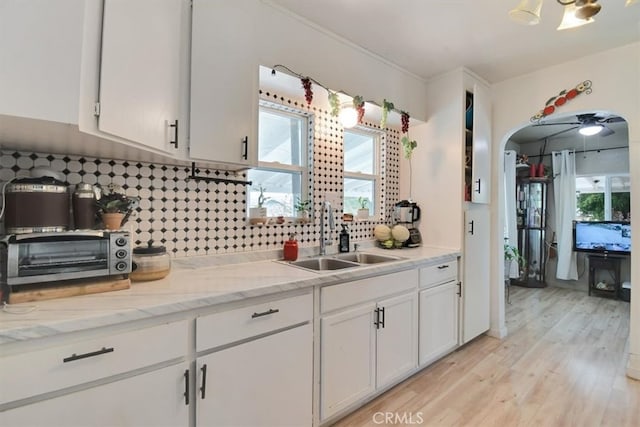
365	258
322	264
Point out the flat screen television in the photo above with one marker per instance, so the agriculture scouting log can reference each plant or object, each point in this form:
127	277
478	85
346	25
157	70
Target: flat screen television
602	237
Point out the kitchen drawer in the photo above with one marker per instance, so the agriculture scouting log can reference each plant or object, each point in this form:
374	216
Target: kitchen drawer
439	273
55	368
229	326
347	294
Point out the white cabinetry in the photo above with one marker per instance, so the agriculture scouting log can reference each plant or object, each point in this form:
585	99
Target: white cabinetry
476	290
439	300
478	144
370	342
140	71
224	83
41	45
107	380
155	398
266	381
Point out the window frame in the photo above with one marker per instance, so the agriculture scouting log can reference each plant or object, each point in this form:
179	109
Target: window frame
379	141
606	191
306	155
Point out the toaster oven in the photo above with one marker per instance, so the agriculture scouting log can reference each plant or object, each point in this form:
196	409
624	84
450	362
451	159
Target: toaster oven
47	257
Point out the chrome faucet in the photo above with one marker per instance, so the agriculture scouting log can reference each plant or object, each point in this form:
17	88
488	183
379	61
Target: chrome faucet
326	206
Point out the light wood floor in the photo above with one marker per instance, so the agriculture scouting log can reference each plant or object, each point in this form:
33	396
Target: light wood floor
563	364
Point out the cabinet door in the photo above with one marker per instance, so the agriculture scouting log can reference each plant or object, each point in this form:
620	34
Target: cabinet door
475	283
140	70
481	158
224	83
152	399
265	382
438	321
397	340
41	49
347	358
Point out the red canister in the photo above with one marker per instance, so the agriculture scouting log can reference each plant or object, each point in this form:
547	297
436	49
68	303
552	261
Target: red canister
291	249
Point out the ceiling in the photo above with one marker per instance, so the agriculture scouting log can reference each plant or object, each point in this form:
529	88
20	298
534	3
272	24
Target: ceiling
429	37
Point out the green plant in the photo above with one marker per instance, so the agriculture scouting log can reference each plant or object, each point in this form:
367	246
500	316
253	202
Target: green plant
113	200
363	202
302	205
512	253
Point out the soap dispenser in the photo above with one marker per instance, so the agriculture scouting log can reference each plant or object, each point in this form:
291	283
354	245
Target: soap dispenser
344	239
290	252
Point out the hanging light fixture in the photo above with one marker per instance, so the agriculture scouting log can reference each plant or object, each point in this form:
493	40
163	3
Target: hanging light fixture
630	2
570	20
576	12
590	128
527	12
348	115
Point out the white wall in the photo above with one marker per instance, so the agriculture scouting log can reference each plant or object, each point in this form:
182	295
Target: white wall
308	50
615	75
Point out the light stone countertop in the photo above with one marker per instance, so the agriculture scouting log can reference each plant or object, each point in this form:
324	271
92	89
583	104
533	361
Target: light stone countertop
194	282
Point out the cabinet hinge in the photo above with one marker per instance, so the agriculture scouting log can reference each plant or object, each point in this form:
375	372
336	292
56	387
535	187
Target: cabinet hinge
96	109
459	289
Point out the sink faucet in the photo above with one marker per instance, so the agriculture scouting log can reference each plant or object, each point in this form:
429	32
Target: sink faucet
326	206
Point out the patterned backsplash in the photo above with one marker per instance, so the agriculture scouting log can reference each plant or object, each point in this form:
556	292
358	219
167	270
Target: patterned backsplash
198	218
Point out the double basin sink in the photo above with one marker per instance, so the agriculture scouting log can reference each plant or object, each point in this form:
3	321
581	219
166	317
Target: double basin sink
340	261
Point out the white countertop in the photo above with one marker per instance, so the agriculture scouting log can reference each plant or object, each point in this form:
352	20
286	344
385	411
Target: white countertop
194	282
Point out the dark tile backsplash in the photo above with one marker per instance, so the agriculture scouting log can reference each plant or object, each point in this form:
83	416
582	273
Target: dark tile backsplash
198	218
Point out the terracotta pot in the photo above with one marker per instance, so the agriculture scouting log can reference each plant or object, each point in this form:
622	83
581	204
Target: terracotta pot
112	221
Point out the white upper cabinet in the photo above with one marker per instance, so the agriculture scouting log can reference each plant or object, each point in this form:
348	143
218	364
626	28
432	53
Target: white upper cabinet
40	51
224	83
481	142
140	71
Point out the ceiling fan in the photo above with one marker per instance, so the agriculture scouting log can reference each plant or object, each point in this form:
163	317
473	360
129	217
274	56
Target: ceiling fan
589	124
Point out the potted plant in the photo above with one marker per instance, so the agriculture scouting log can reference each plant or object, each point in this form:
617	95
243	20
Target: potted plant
363	211
511	253
114	207
258	215
302	208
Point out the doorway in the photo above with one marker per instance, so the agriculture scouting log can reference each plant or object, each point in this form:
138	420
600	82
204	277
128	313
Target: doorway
602	169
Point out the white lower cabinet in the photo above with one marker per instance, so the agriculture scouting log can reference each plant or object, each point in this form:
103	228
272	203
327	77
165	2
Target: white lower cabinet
259	366
367	347
133	378
438	321
265	382
152	399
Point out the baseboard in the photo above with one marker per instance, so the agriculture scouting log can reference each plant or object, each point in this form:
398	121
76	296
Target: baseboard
633	366
499	333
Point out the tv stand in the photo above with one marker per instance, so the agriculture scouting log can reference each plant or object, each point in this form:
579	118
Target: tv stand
607	263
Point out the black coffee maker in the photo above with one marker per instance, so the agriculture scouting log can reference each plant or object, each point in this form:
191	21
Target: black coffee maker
407	213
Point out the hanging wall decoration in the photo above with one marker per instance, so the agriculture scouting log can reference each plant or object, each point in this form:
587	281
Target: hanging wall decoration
386	107
358	104
561	99
308	91
334	99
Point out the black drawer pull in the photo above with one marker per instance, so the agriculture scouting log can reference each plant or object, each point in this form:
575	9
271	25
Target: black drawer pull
175	126
186	387
265	313
442	267
245	148
74	356
203	387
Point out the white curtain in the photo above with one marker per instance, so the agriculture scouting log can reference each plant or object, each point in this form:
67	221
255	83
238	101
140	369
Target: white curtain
564	189
510	212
